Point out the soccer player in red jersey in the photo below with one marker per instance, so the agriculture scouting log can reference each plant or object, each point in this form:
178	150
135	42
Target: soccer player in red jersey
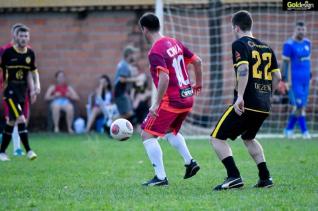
168	60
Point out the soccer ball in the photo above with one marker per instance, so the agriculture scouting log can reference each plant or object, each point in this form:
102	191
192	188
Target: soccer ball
121	129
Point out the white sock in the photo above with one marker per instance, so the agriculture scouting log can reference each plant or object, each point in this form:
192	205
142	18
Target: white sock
178	142
16	139
154	152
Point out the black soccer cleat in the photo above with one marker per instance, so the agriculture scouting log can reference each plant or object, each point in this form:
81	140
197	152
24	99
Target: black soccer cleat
230	183
267	183
156	182
191	169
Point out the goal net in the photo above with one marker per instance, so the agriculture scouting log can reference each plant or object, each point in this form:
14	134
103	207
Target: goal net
205	28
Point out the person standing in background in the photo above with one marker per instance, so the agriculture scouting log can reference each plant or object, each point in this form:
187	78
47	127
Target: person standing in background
296	78
123	82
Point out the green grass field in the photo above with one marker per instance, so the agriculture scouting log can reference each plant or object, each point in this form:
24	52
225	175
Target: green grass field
91	172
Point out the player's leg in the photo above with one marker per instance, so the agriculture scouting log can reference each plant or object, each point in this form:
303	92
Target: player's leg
152	127
303	124
178	142
155	156
14	111
255	149
302	107
17	151
24	136
292	120
230	125
15	135
6	137
56	113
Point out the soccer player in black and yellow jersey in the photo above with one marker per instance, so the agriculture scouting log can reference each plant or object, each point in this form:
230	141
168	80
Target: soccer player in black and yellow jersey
18	63
257	75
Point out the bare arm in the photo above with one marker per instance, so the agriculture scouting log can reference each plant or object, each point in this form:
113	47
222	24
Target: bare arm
72	94
49	93
198	75
285	69
276	78
162	88
242	73
30	82
31	88
37	86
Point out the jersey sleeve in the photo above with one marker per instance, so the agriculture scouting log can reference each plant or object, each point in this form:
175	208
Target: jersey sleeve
33	63
188	55
274	66
157	62
239	54
2	60
287	50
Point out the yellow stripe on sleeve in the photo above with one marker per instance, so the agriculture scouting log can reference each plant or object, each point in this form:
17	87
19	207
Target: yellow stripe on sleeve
241	62
275	70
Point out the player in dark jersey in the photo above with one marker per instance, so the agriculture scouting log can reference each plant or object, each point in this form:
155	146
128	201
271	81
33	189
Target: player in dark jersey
168	60
17	151
257	76
18	62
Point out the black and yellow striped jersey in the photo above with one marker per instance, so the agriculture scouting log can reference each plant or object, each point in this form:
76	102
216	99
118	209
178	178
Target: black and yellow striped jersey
16	66
262	63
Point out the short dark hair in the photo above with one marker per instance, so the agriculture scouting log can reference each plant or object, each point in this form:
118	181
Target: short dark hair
300	23
150	21
242	19
22	28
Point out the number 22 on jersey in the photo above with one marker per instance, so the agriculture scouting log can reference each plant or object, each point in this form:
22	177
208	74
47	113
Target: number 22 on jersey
264	57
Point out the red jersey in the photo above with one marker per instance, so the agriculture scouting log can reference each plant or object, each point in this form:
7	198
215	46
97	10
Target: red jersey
171	56
62	89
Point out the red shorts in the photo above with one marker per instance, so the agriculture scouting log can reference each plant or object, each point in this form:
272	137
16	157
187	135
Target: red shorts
25	108
166	121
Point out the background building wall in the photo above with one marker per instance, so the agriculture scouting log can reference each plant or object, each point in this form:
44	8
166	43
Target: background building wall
83	46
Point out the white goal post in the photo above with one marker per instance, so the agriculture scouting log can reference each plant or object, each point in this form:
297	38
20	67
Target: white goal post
204	26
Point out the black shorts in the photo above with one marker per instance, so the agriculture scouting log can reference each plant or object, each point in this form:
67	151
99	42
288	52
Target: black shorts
232	125
15	104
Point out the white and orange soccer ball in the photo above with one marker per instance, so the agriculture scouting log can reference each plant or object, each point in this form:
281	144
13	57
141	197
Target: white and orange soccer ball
121	129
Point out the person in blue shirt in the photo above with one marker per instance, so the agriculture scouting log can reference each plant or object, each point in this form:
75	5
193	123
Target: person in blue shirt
296	78
124	80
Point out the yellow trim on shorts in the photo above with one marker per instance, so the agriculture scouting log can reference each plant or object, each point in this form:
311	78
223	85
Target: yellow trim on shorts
15	111
216	130
264	112
241	62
